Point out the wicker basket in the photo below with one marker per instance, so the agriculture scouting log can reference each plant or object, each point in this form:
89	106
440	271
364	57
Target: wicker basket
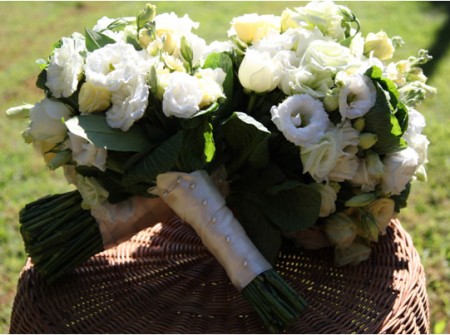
164	281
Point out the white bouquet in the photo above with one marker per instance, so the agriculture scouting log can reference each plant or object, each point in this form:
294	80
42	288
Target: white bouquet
296	122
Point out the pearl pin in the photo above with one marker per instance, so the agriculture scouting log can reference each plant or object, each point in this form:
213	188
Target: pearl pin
165	194
192	186
204	202
179	179
228	239
245	264
213	220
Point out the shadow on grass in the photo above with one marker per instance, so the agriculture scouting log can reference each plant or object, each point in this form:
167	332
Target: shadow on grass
442	39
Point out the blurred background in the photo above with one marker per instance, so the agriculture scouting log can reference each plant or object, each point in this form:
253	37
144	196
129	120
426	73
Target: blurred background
29	29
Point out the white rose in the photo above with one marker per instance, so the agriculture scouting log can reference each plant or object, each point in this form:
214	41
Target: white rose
382	210
128	104
251	28
258	72
327	56
399	169
328	198
47	121
319	159
357	95
85	153
301	119
379	45
66	66
340	230
182	96
91	191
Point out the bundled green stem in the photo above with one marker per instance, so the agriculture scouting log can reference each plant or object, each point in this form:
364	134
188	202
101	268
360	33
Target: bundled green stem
276	303
59	234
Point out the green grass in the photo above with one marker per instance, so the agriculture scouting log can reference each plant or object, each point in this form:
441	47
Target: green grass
29	29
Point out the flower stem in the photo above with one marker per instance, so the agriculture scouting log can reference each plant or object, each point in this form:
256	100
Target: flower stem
274	300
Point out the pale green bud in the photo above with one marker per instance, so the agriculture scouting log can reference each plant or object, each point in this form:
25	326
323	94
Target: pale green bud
59	159
340	230
359	124
352	255
374	164
19	112
361	200
331	100
367	140
145	16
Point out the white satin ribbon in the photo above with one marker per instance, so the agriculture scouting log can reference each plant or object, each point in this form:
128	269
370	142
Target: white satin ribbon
196	200
119	222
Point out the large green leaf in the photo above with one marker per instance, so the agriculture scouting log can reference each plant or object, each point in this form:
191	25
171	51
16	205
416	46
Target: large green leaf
95	129
381	121
247	139
292	208
160	160
265	236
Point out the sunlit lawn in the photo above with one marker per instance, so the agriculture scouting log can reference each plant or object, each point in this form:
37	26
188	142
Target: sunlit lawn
29	29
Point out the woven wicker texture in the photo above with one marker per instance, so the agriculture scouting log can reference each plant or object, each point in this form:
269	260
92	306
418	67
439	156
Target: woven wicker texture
164	281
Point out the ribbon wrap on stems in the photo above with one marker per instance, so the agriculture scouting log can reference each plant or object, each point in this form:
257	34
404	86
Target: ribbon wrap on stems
196	200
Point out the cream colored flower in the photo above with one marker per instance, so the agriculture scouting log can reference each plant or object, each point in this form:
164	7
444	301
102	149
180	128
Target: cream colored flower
328	194
91	191
251	28
379	45
340	230
382	210
93	99
47	121
399	168
85	153
258	72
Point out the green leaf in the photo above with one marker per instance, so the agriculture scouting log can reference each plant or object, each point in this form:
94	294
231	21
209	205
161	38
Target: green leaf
265	237
96	40
160	160
401	199
293	209
95	129
197	148
41	80
381	121
248	141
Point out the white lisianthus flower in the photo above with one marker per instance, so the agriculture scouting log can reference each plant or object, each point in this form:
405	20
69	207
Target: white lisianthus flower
340	230
275	43
301	119
217	47
324	15
301	80
104	23
47	121
182	96
416	121
379	45
251	28
258	72
399	169
363	178
210	81
169	28
93	99
198	46
382	210
115	65
328	194
92	193
357	95
344	169
66	66
128	104
327	56
85	153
